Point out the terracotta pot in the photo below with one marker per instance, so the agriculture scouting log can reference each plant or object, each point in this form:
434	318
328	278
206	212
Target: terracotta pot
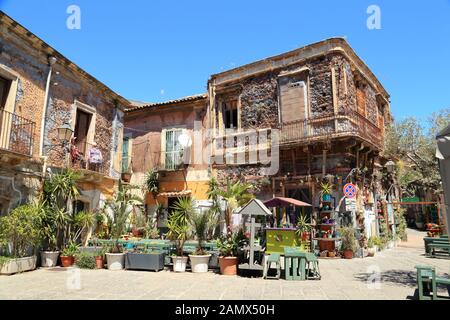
228	265
305	236
99	262
348	254
67	261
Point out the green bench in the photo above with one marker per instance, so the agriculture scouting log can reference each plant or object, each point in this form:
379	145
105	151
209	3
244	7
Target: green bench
430	240
441	246
427	283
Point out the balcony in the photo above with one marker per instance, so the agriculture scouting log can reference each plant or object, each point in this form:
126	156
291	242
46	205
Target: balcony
16	133
242	147
81	159
348	124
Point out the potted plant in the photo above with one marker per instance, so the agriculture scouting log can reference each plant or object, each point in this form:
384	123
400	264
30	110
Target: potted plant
19	235
68	255
371	246
145	259
51	221
348	241
200	258
119	210
228	247
326	189
303	228
100	258
178	225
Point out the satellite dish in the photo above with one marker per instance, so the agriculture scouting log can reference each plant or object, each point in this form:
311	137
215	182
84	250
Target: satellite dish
185	140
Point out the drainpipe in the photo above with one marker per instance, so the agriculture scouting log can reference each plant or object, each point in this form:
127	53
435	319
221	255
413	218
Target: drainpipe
51	62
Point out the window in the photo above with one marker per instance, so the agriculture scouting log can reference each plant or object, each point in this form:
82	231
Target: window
230	113
125	154
293	98
82	124
173	149
4	90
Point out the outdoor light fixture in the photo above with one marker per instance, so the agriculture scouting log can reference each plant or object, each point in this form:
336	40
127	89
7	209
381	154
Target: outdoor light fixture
64	133
390	166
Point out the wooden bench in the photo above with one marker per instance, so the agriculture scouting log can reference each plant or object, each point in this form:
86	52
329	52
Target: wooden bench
444	247
430	240
427	283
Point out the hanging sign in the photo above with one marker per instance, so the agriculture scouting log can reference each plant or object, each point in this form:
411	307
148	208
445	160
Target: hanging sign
350	190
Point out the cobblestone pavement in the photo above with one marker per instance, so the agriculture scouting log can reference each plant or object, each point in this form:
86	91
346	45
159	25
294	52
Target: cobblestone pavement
341	279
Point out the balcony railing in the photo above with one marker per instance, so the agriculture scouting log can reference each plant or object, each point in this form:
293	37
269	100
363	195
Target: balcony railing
80	158
331	126
16	133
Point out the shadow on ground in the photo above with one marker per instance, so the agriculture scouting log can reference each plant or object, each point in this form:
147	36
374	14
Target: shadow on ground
398	277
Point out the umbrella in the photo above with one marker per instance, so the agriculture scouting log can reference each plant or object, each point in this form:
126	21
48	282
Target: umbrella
285	202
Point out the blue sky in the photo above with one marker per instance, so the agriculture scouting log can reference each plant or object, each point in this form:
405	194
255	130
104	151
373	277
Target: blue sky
158	50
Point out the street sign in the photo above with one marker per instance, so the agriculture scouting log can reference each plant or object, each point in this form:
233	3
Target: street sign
350	204
350	190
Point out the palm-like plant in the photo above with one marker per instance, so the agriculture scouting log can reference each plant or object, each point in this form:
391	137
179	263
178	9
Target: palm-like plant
151	185
119	210
199	222
235	194
82	221
178	223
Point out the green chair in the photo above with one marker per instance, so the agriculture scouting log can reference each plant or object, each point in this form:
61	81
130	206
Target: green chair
269	259
427	283
312	267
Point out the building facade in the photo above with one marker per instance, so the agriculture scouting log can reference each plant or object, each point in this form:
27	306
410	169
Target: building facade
41	90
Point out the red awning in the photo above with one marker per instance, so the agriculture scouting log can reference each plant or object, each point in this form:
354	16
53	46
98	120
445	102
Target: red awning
285	202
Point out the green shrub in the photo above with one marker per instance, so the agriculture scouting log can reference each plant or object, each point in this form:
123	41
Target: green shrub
21	229
85	260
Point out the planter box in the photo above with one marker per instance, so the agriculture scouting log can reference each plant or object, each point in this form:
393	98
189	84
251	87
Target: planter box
145	261
18	265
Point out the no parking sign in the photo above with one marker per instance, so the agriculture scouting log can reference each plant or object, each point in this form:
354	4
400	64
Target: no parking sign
350	190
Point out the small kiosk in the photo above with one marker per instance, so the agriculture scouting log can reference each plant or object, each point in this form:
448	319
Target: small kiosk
253	209
279	238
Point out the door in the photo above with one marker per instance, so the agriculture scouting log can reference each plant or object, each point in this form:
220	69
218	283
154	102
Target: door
81	130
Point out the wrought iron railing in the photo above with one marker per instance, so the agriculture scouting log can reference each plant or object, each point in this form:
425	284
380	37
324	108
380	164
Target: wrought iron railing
331	126
16	133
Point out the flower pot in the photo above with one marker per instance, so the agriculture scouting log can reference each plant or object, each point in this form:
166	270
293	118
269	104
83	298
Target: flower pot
371	252
305	236
199	264
228	265
179	263
49	259
348	254
331	254
326	197
67	261
323	254
115	261
419	225
18	265
99	262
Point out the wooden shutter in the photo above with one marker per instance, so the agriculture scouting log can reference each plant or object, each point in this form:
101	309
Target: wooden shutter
293	99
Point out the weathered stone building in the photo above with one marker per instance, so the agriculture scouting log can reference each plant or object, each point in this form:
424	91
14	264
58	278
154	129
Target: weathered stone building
323	108
42	90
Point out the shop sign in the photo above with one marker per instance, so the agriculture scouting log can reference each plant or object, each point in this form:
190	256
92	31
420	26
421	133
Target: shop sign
350	204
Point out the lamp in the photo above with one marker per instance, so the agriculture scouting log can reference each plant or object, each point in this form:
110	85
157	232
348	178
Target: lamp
64	133
390	166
